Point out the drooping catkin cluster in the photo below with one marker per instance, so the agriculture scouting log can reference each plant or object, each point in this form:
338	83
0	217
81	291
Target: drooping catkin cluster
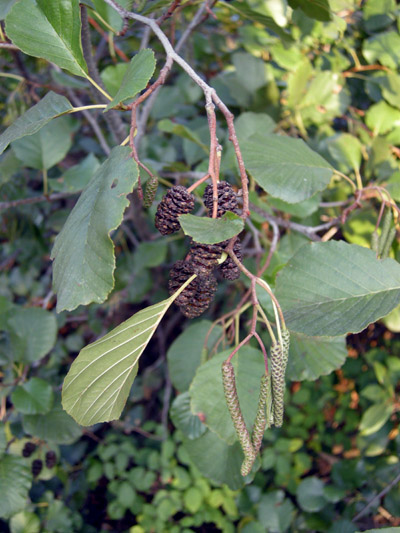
279	359
232	401
260	422
202	258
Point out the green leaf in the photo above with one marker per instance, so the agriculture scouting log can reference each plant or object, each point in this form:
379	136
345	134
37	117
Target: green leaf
211	230
391	89
312	357
33	397
276	511
207	393
109	14
334	288
377	14
50	30
32	333
184	419
77	177
137	76
98	383
185	353
249	123
383	48
286	168
192	499
250	71
83	252
55	426
9	165
216	460
375	417
182	131
51	106
25	522
244	11
47	147
15	482
381	118
316	9
310	495
112	77
5	7
346	150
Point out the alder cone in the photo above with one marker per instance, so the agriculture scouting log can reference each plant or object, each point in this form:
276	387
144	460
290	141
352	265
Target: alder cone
28	449
204	257
150	193
229	270
36	467
227	199
197	296
176	202
205	289
51	459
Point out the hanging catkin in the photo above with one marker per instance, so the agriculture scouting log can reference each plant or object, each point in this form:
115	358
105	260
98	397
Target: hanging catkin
261	416
150	192
232	400
285	346
278	383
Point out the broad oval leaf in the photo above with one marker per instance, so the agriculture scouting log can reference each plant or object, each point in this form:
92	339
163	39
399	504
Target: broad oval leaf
183	418
15	482
316	9
334	288
310	494
286	168
98	383
375	417
83	253
46	147
51	30
312	357
185	353
55	426
51	106
207	393
211	230
33	397
216	460
139	72
32	333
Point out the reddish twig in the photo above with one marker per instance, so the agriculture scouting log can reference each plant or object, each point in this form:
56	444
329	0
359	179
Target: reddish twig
105	36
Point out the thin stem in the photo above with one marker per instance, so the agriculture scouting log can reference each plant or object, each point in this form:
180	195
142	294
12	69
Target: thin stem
100	89
45	183
351	182
82	108
198	182
267	323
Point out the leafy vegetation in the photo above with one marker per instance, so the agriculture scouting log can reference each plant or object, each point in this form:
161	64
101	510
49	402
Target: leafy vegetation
97	102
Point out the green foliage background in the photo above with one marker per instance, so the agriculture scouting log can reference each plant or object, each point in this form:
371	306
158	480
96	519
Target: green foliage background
324	72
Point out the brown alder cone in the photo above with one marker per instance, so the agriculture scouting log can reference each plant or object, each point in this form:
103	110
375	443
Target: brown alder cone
197	296
228	269
204	257
227	200
176	202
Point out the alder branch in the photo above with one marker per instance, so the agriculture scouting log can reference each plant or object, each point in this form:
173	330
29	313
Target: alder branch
37	199
377	497
308	231
209	93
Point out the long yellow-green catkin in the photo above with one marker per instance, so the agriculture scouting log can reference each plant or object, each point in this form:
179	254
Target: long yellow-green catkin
260	422
232	400
150	193
375	241
387	220
285	345
388	243
278	383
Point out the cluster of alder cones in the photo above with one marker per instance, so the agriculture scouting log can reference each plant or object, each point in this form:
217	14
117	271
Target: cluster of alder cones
37	464
202	259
